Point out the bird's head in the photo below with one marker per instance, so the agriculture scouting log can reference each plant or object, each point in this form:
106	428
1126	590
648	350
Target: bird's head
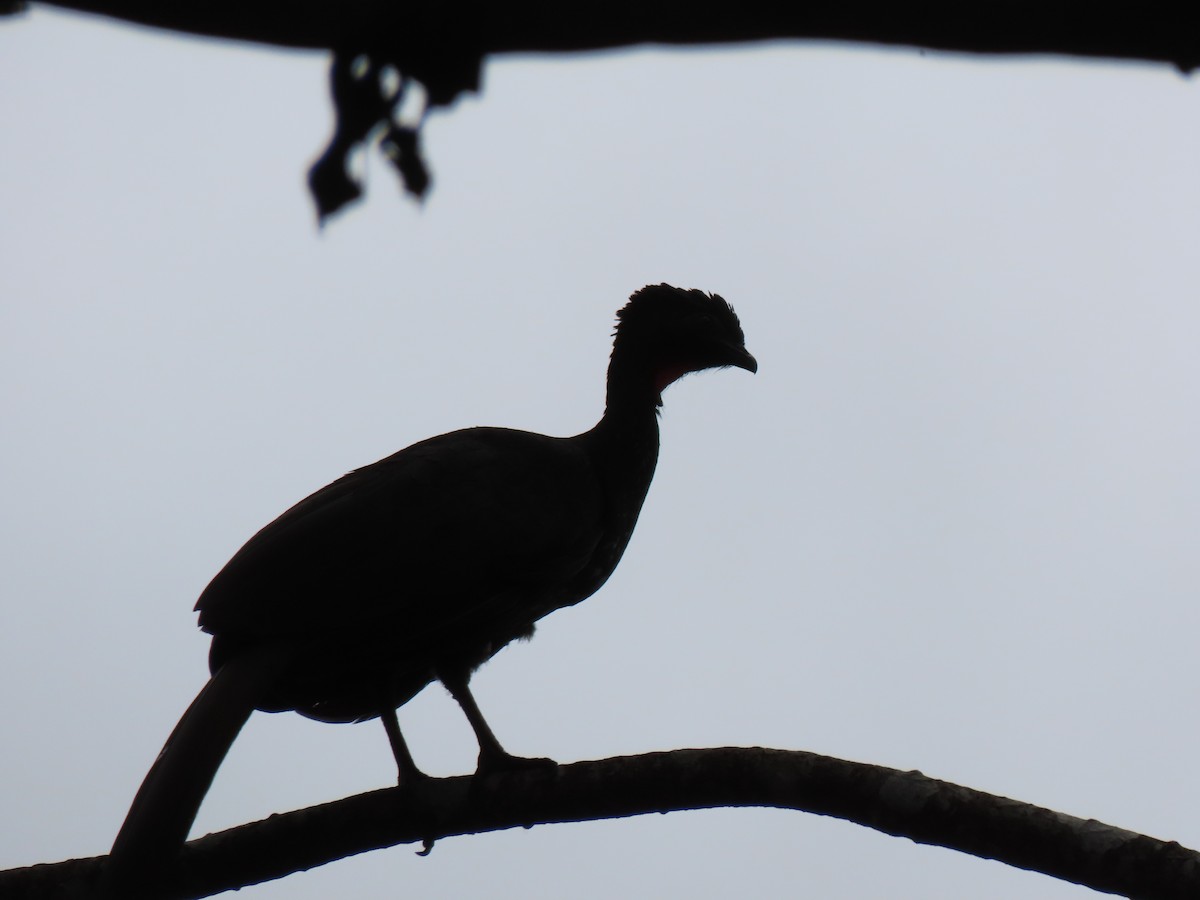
670	331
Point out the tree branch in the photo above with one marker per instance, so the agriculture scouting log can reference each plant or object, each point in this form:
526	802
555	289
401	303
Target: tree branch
443	45
905	804
1161	31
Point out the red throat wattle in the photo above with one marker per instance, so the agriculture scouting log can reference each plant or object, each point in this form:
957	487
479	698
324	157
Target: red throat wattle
667	375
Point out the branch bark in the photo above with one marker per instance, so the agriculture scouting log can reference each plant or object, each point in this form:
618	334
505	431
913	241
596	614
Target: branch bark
905	804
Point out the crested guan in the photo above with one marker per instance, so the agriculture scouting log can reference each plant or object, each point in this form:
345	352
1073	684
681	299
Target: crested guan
422	566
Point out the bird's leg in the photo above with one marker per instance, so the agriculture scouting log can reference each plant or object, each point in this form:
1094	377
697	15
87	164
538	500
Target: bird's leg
408	773
492	757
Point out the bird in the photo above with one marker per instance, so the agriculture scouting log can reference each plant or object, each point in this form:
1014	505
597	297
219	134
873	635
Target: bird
419	568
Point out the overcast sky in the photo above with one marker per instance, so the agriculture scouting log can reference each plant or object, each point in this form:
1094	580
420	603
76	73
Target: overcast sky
950	525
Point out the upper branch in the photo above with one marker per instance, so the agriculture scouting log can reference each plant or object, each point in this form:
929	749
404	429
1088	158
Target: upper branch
900	803
1165	32
443	45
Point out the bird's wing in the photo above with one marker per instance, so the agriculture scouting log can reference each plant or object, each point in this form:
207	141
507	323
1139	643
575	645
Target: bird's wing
418	540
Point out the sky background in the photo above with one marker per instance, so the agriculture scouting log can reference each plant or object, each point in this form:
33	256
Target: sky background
950	525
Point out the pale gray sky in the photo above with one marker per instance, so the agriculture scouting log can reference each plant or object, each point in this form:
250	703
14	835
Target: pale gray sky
950	525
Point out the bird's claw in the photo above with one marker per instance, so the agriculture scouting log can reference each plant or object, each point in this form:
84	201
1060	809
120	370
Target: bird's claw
497	763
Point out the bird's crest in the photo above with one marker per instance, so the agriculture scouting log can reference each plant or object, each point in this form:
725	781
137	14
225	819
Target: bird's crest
658	306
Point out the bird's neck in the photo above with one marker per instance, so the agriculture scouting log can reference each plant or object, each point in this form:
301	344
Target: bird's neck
626	438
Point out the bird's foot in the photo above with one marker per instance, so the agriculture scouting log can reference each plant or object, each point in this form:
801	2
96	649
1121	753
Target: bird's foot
409	777
498	762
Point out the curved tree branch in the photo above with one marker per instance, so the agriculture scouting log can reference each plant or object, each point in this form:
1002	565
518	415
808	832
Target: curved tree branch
906	804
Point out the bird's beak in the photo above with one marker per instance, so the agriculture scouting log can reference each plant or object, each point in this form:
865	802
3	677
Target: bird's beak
740	357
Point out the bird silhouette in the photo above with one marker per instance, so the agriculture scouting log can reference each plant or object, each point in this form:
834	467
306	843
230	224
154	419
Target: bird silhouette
419	568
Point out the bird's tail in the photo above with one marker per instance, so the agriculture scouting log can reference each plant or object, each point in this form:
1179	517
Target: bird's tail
166	804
